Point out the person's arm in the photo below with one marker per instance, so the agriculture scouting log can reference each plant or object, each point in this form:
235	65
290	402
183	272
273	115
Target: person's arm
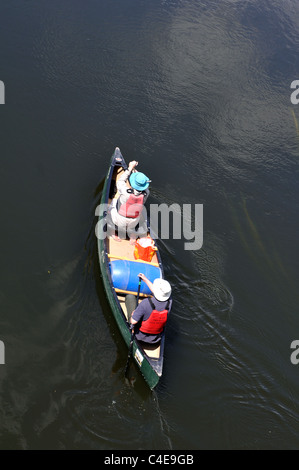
147	281
122	181
138	312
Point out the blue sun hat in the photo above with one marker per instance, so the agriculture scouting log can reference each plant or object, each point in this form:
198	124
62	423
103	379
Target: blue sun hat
139	181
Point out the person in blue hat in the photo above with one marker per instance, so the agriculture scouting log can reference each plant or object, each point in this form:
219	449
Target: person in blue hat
128	210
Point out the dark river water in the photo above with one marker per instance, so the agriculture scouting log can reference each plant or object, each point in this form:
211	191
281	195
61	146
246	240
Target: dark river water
199	93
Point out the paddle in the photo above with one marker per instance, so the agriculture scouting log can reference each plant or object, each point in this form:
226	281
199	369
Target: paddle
132	334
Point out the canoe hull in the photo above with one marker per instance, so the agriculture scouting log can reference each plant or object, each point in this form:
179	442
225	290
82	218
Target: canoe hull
151	369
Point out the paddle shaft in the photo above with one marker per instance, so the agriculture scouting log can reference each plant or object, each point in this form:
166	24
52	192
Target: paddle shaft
132	334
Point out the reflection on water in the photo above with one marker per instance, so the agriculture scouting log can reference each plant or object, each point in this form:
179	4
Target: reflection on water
263	253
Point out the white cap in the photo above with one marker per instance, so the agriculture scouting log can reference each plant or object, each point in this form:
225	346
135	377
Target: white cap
161	289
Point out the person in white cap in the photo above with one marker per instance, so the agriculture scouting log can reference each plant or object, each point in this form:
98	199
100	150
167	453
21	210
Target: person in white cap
150	316
128	210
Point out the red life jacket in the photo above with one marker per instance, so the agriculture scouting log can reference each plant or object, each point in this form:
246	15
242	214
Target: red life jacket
155	323
132	207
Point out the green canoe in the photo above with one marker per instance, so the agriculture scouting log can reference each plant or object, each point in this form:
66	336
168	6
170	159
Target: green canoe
149	358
